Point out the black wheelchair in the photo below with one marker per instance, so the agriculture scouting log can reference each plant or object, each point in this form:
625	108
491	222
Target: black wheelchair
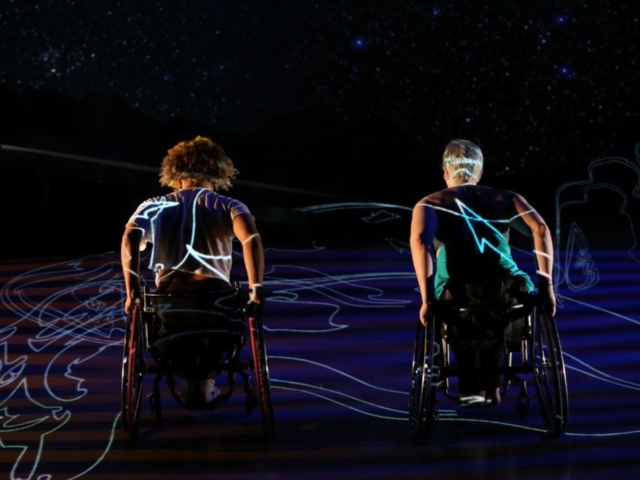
193	337
530	336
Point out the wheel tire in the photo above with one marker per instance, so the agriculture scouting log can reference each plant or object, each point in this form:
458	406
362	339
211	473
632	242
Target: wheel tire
423	410
261	370
124	381
134	373
550	376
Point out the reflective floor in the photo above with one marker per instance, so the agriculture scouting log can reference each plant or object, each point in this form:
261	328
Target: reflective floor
341	320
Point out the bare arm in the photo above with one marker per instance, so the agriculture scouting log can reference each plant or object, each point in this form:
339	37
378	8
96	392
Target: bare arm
423	227
533	225
130	258
244	228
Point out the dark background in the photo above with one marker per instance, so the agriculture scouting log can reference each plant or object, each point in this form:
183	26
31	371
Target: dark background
315	102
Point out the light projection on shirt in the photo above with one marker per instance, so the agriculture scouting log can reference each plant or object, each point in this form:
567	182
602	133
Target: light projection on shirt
202	259
472	219
152	211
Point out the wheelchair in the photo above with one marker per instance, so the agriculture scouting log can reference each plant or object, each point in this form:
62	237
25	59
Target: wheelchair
193	337
530	336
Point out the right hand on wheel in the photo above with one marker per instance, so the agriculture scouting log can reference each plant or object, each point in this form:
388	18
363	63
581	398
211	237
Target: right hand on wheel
130	302
424	313
254	309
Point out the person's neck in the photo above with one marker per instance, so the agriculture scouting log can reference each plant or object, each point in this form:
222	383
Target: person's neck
196	183
459	183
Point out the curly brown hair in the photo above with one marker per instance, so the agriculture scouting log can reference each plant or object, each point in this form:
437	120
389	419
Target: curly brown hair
200	158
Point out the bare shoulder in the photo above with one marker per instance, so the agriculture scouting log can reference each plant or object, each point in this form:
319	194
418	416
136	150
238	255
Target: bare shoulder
435	198
501	195
515	197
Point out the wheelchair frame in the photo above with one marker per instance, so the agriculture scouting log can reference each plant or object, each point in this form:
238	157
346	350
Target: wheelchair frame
541	355
137	347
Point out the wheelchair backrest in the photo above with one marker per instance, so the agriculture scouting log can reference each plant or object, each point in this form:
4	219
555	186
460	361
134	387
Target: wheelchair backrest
193	311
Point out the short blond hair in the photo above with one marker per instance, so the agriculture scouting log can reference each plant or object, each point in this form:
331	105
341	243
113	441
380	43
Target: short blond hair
200	158
463	159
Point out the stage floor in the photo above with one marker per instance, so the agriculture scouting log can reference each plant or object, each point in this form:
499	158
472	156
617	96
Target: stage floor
340	325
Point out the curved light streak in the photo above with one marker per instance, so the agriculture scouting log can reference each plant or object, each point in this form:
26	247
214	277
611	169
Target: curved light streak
348	407
335	370
350	397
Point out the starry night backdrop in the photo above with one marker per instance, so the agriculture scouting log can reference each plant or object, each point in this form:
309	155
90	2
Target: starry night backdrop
355	98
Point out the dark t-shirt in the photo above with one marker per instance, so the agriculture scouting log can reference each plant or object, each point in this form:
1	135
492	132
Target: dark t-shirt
472	237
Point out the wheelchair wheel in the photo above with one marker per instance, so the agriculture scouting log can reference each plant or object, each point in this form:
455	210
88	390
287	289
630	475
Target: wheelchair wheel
422	407
124	375
261	369
550	377
133	369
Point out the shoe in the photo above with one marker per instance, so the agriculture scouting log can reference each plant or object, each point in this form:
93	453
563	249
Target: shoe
209	390
471	401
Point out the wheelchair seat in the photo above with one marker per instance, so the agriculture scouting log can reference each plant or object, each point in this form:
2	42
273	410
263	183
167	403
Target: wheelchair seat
194	337
194	330
482	314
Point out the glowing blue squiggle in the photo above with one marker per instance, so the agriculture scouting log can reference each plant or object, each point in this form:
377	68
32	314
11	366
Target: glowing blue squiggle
114	427
575	233
335	370
349	407
308	385
599	375
57	413
331	207
600	309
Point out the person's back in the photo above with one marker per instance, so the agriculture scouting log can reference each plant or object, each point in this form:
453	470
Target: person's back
472	237
191	231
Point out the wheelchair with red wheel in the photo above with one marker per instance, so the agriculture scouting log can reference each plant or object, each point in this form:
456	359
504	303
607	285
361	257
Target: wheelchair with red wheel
530	346
189	339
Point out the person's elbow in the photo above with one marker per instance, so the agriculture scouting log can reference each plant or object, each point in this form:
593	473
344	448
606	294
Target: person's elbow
540	230
252	247
417	243
252	241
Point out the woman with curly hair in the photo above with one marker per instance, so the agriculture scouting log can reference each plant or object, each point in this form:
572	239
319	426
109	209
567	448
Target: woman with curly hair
191	231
